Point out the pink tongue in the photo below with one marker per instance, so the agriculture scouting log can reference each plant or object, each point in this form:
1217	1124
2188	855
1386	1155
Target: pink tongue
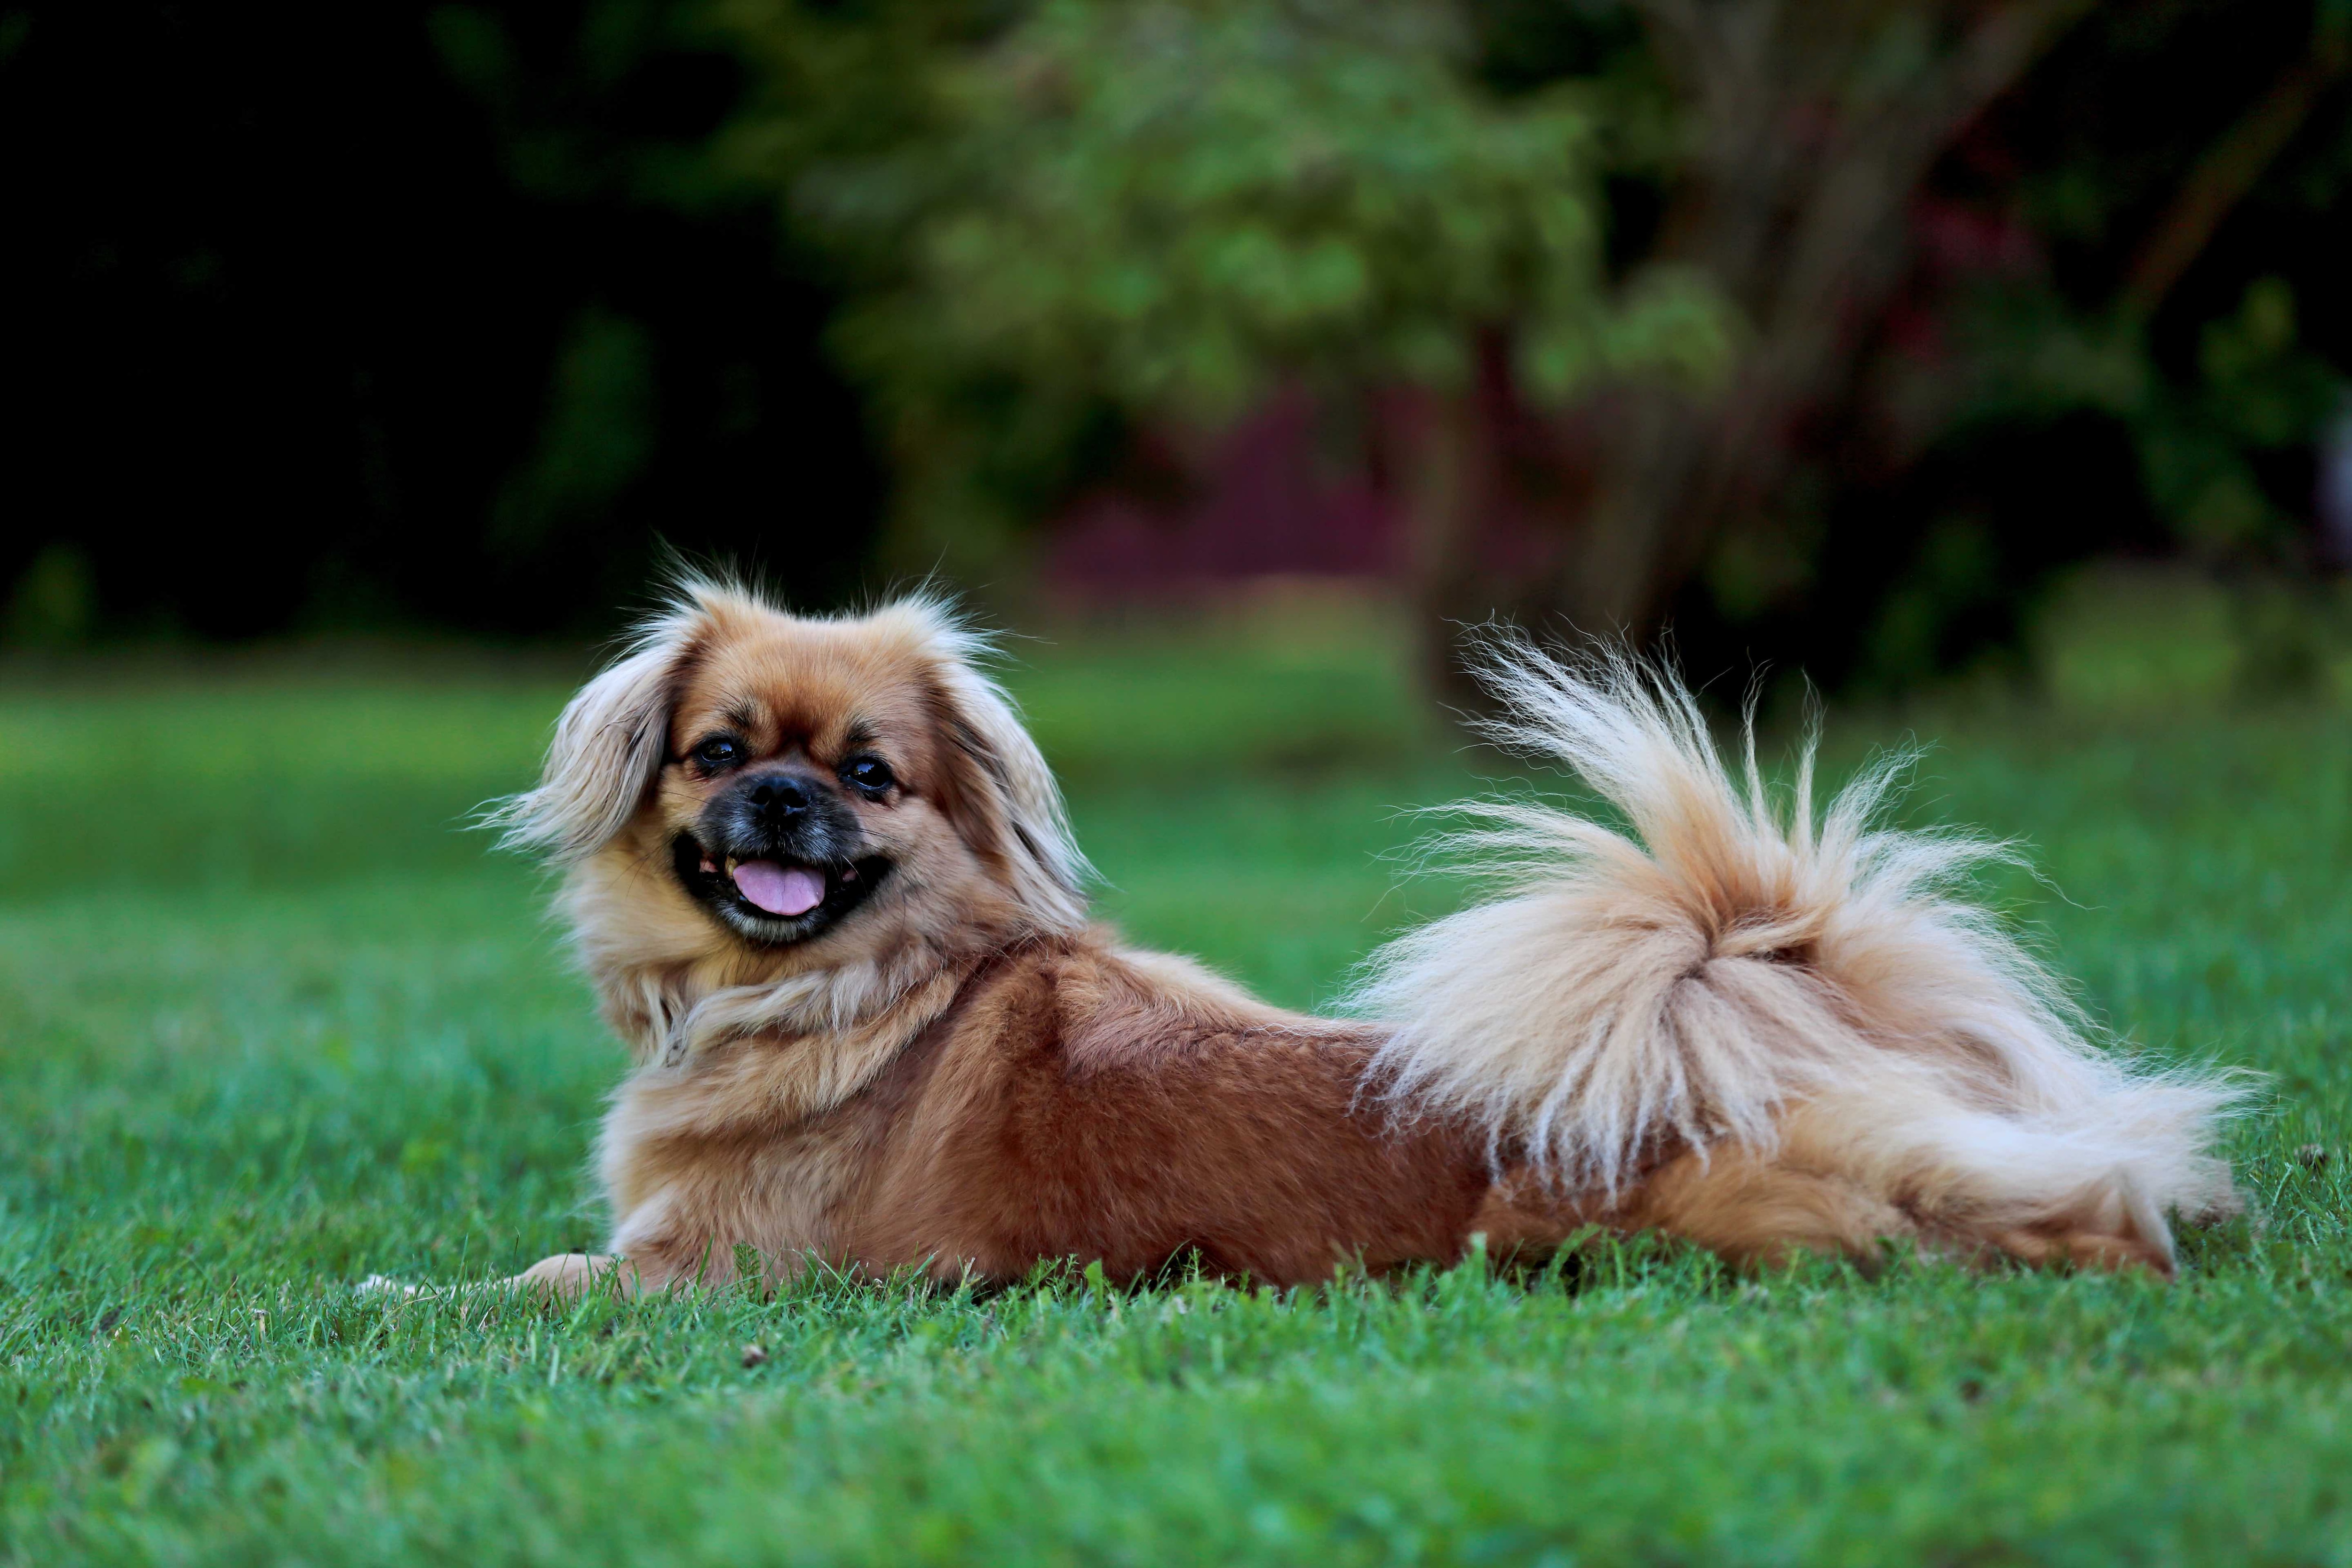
780	889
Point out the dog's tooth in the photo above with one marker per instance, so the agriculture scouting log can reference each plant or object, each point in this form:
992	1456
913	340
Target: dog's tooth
849	873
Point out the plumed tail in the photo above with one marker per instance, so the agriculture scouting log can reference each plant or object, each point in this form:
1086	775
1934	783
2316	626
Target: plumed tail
1729	961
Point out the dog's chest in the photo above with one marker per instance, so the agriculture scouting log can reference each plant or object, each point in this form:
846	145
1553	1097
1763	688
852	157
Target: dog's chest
684	1201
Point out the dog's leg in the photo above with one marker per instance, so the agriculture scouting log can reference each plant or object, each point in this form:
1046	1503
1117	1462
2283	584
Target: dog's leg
1981	1187
1753	1208
2057	1244
562	1277
1758	1208
568	1274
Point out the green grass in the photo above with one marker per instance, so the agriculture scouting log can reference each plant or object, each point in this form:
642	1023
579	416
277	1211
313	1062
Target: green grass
269	1023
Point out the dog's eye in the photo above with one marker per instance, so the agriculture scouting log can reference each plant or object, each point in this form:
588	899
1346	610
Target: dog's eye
719	752
871	774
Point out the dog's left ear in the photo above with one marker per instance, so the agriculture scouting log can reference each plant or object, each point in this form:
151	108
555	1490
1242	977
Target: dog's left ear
1001	795
609	743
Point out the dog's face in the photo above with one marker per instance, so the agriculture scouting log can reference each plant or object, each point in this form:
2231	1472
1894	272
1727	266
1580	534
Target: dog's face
803	771
805	793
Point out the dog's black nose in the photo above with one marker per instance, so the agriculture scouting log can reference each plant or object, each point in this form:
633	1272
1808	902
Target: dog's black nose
779	798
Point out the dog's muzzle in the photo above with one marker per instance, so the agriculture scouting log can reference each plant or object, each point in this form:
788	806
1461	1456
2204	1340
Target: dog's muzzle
777	857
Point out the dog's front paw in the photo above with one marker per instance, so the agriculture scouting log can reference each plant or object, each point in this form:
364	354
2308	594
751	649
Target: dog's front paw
565	1276
385	1285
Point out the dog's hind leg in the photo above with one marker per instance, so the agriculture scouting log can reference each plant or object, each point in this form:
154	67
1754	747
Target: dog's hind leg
2083	1248
1845	1173
1752	1207
1757	1209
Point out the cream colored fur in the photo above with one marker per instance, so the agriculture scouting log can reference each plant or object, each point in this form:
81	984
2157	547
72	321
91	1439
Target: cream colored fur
1734	974
609	741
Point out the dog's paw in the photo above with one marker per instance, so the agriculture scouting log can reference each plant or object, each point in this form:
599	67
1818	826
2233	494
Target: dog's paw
385	1285
568	1274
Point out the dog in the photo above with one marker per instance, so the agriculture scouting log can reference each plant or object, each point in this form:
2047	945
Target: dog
827	892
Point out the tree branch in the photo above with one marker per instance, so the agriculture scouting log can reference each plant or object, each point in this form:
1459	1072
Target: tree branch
1880	161
2229	168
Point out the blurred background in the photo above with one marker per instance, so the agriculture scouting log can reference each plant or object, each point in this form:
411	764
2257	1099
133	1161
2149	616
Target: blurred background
1907	343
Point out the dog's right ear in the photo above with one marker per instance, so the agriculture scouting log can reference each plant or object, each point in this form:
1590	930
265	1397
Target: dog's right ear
608	745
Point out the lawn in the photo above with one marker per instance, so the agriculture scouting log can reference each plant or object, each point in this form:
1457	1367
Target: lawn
271	1021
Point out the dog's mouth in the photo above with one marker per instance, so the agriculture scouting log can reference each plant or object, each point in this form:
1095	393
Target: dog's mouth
772	900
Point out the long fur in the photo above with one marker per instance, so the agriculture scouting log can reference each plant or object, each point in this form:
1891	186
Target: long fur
1050	871
1730	969
1753	1028
610	739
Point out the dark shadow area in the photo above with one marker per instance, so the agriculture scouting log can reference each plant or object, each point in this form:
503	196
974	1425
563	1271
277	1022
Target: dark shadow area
385	314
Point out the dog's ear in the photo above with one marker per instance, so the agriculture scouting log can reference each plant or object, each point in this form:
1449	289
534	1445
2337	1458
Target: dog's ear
999	792
609	743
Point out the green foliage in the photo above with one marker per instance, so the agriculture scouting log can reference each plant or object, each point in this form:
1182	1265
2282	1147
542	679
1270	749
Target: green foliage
2138	145
2254	390
2258	390
1163	211
268	1023
1175	203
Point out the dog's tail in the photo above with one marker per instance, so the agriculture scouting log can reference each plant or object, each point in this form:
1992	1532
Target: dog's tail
1733	962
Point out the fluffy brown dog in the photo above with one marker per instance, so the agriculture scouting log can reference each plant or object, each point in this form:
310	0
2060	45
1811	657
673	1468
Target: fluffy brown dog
823	881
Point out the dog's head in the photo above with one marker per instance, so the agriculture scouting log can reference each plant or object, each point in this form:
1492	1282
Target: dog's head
815	790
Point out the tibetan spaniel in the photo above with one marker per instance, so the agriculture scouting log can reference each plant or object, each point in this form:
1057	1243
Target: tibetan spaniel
826	890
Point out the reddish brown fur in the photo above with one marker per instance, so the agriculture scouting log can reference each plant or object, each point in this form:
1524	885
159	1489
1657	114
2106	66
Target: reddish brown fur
1063	1108
964	1077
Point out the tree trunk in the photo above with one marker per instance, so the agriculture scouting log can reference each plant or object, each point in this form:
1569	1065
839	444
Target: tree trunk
1808	149
1442	447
